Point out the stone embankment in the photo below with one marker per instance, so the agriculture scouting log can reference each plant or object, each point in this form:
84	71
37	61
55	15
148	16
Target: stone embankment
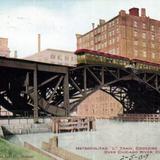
52	147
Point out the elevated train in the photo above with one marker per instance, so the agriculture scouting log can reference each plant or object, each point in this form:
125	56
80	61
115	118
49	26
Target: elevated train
85	56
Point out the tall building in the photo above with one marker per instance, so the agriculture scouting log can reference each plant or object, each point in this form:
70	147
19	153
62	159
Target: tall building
131	35
4	50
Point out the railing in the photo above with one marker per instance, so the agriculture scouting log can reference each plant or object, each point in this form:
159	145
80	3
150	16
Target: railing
26	118
139	117
73	124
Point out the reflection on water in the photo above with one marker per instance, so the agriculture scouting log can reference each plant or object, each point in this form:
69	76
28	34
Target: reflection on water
110	137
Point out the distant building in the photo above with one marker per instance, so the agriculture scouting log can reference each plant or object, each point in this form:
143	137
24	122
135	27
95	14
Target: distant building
4	50
100	105
55	56
128	34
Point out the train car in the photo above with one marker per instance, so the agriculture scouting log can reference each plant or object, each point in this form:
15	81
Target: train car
146	66
85	56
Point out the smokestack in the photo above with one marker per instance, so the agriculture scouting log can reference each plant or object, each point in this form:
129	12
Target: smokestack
39	43
101	21
143	12
15	54
134	11
92	25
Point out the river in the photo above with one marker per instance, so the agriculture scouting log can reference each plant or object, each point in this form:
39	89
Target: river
112	140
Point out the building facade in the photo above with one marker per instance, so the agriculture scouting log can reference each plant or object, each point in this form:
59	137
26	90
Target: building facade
131	35
99	105
4	50
55	56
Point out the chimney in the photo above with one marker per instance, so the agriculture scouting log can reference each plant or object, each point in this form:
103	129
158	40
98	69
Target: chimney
122	13
134	11
39	43
101	21
93	25
143	12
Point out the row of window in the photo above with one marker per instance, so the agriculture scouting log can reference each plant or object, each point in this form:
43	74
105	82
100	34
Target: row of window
61	57
145	35
101	44
103	28
100	37
144	26
143	53
145	44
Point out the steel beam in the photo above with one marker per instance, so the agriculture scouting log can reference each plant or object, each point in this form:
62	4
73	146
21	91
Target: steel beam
35	110
52	68
85	79
66	93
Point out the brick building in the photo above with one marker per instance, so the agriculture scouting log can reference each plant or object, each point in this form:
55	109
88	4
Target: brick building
99	105
130	34
4	50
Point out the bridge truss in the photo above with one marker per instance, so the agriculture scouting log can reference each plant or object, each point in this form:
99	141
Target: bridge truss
34	88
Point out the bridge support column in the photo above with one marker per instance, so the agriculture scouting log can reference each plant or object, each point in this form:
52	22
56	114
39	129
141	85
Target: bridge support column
85	80
35	110
66	93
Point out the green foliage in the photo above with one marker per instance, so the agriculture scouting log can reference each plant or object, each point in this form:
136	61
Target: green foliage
10	151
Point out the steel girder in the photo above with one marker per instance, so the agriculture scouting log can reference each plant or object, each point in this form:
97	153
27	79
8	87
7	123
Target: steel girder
137	91
58	90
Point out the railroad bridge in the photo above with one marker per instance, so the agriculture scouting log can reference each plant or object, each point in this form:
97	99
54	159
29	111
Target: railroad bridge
33	87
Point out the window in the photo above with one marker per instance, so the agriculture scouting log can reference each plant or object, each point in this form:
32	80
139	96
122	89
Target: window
152	45
144	44
135	43
135	24
135	33
152	37
72	58
105	44
112	33
66	58
143	25
53	56
113	40
102	45
59	57
152	27
117	30
153	55
135	52
144	35
92	42
117	39
144	54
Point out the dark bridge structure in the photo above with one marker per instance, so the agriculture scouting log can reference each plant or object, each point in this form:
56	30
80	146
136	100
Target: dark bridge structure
33	88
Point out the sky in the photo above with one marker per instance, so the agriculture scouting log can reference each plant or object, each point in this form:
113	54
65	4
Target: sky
58	21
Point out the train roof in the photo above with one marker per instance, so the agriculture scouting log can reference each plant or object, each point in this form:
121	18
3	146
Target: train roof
146	62
81	51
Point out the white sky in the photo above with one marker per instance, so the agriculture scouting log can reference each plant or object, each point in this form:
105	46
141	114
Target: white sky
59	20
